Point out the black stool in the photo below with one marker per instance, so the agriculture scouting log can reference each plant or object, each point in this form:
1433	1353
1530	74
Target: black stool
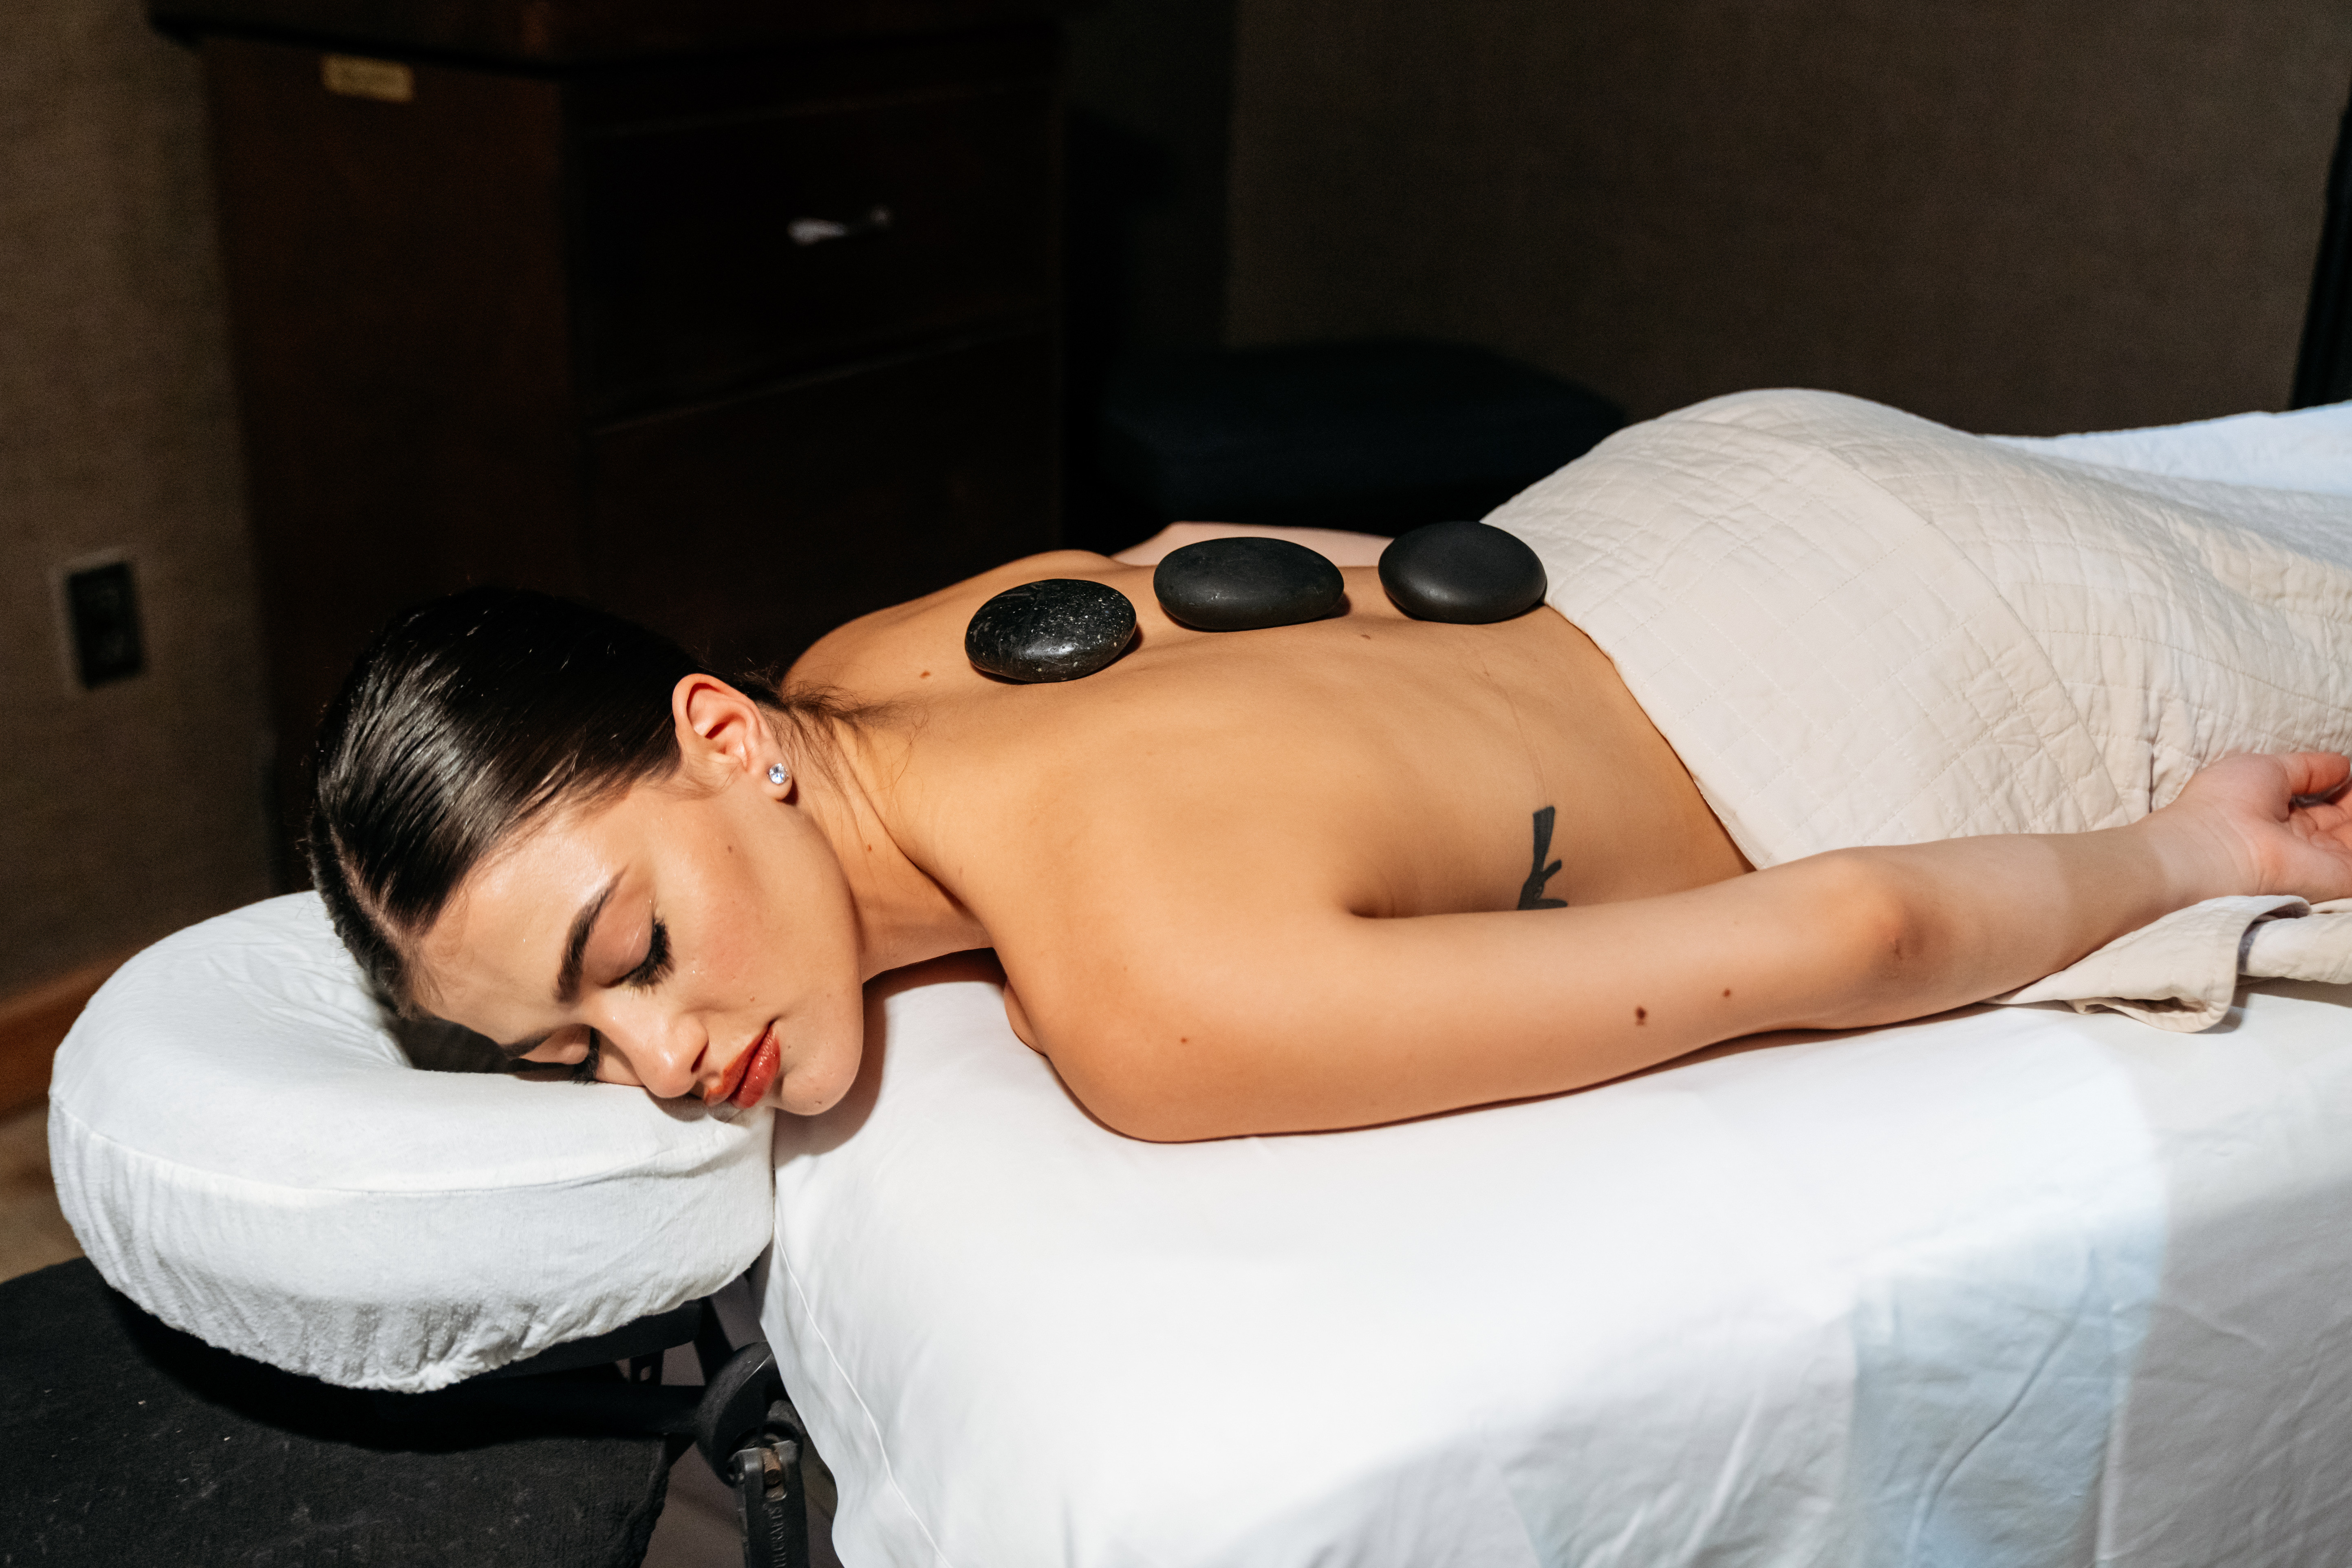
125	1441
1380	436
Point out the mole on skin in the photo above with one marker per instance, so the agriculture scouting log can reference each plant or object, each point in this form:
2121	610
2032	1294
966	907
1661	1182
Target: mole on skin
1641	1015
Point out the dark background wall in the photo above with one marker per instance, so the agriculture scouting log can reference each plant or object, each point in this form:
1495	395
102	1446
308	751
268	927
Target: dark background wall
2008	215
135	808
1151	113
1151	93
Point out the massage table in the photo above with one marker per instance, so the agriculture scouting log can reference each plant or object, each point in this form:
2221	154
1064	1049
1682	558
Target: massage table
2015	1284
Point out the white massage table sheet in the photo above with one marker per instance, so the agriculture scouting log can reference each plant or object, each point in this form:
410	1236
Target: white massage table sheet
2010	1285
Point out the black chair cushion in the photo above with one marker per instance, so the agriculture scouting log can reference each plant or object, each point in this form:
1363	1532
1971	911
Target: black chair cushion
1379	435
125	1441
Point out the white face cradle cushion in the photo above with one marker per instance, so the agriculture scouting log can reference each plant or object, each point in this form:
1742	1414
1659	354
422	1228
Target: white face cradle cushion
244	1150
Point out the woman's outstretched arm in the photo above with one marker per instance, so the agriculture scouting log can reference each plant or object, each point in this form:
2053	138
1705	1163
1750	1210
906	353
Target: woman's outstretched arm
1269	1023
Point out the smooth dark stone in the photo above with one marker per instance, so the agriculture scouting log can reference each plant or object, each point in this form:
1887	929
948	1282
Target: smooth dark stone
1466	572
1057	628
1242	585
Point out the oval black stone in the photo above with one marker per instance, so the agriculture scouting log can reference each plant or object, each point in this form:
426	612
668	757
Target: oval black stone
1466	572
1242	585
1057	628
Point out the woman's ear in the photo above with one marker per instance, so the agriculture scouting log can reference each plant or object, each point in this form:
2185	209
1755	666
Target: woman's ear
721	733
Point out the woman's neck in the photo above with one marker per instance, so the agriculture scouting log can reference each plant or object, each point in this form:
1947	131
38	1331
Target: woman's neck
842	770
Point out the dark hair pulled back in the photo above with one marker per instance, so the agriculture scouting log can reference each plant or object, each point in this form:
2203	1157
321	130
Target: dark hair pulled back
465	720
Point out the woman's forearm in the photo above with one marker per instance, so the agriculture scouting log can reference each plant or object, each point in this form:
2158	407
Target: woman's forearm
1971	918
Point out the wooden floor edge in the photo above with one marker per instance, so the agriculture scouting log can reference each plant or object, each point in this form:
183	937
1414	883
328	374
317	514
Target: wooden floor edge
32	1023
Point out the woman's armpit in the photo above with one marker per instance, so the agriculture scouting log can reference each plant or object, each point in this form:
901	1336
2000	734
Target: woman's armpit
1018	1017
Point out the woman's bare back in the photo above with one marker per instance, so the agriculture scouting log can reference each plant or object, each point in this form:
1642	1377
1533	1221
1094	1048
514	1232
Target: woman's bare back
1369	762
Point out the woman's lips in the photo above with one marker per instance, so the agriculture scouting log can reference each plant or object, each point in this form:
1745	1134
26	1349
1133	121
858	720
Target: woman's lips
758	1066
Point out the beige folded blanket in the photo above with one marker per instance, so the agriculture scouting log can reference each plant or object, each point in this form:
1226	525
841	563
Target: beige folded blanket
1856	627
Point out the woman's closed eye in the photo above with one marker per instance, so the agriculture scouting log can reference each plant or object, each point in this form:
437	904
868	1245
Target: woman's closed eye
650	971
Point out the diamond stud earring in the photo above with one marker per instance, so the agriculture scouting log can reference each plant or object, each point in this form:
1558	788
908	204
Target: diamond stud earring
777	772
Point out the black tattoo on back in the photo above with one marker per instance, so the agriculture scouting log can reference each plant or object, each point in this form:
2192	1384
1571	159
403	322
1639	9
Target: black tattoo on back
1531	891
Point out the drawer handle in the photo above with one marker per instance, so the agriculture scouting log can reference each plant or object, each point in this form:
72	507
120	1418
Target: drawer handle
817	230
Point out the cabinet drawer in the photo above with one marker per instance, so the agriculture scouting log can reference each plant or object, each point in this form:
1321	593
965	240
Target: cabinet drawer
717	255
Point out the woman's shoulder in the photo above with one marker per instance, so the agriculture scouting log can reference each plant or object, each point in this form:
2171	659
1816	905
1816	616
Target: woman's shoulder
899	653
893	654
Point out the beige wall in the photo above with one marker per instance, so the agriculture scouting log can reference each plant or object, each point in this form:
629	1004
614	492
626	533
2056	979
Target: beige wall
129	810
2016	215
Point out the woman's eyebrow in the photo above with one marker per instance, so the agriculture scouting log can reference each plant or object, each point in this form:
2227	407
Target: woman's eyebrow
575	946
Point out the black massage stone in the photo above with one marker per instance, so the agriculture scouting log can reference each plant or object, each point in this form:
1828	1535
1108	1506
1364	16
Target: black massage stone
1242	585
1057	628
1466	572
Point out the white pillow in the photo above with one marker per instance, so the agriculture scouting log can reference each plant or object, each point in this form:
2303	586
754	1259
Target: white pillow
244	1150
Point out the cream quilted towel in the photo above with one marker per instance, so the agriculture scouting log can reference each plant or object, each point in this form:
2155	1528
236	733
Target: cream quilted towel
1856	627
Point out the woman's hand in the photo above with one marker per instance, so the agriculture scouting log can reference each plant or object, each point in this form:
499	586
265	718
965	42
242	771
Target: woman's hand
2263	825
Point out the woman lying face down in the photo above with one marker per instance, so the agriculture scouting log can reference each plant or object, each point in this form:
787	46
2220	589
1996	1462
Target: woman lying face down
1317	876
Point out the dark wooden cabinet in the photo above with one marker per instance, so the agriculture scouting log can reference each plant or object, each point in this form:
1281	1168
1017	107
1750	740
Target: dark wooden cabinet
742	337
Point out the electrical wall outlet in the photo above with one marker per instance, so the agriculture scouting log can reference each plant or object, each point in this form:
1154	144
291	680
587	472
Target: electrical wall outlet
103	624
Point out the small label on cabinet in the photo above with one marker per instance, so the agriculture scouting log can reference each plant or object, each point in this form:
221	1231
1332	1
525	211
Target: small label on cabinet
354	77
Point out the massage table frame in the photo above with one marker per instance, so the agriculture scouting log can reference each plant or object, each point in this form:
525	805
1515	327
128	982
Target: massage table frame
741	1419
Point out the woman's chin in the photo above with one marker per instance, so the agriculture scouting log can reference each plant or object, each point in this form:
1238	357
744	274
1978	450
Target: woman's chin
812	1089
801	1102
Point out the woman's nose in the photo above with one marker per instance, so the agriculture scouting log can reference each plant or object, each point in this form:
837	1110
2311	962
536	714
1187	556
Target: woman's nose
665	1053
